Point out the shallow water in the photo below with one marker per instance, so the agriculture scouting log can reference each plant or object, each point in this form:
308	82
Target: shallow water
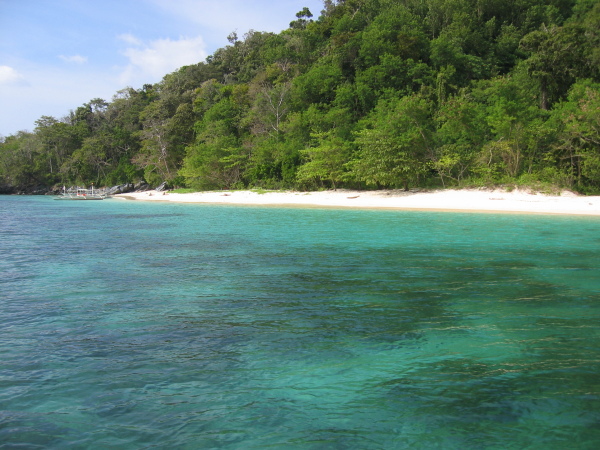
132	325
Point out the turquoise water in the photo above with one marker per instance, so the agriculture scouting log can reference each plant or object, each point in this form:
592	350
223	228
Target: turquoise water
135	325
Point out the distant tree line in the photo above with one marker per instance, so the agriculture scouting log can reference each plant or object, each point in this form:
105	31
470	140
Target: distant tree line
371	94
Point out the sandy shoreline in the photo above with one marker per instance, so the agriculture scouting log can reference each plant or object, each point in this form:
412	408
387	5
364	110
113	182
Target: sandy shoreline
516	201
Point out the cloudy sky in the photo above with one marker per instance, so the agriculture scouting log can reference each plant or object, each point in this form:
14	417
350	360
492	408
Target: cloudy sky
56	55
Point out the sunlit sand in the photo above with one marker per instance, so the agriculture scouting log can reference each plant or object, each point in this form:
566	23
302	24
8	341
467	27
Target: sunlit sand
517	201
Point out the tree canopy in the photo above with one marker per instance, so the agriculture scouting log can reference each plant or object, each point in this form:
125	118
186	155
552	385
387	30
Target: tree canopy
368	94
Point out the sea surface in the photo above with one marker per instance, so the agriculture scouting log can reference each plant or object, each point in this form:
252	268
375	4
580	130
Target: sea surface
129	325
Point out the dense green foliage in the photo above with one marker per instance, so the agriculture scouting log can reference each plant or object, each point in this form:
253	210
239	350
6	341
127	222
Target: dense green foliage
373	93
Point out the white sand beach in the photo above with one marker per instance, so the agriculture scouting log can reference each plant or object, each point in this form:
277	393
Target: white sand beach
481	200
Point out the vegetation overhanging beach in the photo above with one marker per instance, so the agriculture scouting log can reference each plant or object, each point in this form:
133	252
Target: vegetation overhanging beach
515	201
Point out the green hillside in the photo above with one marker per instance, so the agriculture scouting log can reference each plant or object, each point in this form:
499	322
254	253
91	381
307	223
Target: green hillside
366	94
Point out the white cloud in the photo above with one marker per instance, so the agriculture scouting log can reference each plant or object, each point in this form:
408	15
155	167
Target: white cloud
50	91
78	59
159	57
129	39
9	76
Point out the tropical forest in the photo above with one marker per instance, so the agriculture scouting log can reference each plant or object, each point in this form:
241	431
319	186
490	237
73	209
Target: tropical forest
365	94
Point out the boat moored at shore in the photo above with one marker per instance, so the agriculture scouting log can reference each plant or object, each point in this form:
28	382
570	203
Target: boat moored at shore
82	194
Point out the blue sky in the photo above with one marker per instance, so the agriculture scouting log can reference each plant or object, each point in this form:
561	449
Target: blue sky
56	55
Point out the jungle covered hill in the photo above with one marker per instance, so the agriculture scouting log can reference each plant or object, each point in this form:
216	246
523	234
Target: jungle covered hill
365	94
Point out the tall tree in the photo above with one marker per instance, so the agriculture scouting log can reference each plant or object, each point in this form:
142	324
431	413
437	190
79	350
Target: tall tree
396	149
556	59
577	149
326	161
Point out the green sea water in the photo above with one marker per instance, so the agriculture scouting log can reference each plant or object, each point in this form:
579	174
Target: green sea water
153	325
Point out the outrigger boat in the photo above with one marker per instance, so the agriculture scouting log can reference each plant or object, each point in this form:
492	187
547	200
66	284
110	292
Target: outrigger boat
82	194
